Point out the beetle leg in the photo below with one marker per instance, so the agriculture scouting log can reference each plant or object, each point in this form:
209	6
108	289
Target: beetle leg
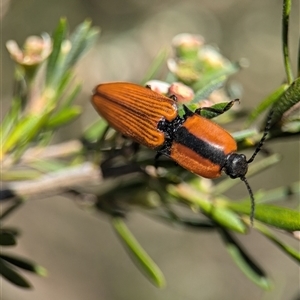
135	147
163	151
157	156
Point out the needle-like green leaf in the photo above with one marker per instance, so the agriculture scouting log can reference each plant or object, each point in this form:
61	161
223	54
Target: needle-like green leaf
138	253
11	275
244	261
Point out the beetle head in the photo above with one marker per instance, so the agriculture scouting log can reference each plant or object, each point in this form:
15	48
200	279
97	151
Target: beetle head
236	165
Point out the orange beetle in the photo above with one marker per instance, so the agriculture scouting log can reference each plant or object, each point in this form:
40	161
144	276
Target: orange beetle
194	142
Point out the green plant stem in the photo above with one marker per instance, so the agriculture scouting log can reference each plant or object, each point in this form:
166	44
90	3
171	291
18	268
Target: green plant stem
285	36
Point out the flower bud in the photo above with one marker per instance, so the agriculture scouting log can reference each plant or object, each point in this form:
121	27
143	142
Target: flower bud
187	45
35	50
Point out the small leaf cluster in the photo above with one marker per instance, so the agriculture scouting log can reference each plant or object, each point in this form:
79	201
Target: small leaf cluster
45	90
10	265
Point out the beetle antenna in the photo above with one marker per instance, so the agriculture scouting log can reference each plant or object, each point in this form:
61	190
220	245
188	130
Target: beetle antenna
263	138
252	199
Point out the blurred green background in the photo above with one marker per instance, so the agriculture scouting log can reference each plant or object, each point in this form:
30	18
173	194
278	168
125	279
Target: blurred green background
83	256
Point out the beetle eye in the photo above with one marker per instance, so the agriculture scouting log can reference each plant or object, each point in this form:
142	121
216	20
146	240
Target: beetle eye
236	165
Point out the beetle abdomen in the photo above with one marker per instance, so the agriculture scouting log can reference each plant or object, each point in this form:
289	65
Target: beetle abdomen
196	146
